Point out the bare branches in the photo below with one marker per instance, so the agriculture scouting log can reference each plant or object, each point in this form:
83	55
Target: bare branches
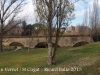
52	12
47	3
12	2
8	11
75	1
13	24
16	8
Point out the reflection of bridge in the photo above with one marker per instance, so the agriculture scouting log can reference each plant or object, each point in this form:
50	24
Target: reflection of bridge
68	40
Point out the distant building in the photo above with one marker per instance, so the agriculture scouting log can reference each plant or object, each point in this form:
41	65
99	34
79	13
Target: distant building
63	29
72	28
79	29
17	31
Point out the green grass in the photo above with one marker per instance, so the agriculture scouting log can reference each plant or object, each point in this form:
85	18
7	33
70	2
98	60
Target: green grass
85	59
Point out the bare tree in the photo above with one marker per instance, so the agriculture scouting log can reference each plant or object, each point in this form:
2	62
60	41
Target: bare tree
94	20
83	29
47	7
13	28
64	17
56	13
9	9
24	27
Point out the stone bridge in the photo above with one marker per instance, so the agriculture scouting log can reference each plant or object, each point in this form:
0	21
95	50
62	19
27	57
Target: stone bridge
32	42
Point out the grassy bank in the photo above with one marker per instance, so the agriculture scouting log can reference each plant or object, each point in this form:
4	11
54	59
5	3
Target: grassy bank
83	60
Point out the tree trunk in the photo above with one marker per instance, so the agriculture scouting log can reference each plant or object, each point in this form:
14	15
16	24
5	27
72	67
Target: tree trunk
55	48
49	45
49	61
57	37
49	53
49	42
1	37
58	31
0	43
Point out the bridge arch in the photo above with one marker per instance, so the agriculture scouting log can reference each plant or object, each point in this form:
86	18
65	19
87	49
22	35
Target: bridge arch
80	43
43	45
16	44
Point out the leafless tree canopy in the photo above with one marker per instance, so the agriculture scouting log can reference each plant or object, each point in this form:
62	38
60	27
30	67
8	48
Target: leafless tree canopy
91	20
9	9
56	14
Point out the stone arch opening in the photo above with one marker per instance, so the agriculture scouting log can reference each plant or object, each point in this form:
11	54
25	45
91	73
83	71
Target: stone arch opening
44	45
15	45
80	43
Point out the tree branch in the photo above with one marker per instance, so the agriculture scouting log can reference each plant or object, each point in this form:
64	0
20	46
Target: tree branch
13	10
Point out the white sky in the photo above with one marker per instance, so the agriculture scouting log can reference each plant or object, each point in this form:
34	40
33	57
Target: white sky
28	12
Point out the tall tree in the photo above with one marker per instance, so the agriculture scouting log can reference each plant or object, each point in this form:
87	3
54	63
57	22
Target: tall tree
64	17
24	27
56	13
9	9
95	20
84	25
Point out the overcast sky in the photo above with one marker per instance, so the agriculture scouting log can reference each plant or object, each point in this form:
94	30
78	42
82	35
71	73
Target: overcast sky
80	7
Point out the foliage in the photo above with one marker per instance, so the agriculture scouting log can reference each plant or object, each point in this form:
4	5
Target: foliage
96	36
24	28
35	29
28	30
